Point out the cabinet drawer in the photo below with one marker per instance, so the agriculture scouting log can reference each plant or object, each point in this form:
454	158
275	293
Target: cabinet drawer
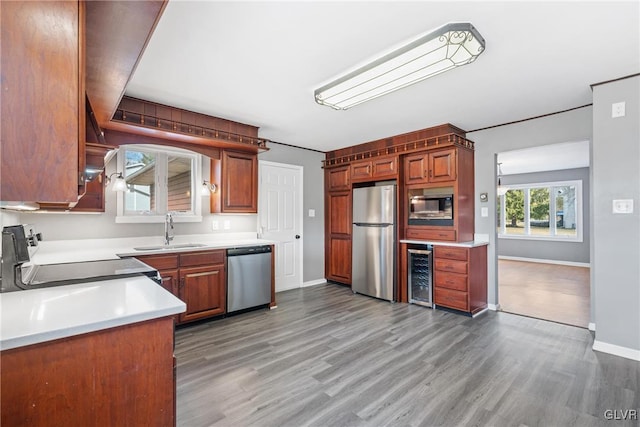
161	262
201	258
451	252
450	298
450	265
430	234
454	281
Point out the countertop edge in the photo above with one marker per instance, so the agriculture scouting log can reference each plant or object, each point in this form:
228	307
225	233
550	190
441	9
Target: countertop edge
471	244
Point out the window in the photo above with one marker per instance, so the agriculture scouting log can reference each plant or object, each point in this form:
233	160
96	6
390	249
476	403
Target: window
545	211
159	180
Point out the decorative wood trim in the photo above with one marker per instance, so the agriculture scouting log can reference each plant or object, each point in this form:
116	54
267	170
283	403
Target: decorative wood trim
450	139
170	126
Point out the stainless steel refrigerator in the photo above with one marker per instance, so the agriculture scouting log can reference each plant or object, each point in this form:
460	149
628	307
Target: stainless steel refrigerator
373	259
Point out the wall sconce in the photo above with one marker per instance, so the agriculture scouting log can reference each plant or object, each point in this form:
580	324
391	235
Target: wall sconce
207	188
450	46
502	189
119	183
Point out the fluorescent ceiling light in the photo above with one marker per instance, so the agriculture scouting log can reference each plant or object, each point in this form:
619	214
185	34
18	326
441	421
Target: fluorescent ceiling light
447	47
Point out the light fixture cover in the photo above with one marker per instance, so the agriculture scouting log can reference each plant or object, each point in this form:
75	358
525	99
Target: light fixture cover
119	183
206	189
447	47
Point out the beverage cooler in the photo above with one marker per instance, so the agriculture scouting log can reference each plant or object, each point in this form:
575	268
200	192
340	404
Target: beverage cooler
420	275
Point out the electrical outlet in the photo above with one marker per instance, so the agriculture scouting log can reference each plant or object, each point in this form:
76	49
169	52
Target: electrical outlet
226	224
312	213
623	206
618	109
215	225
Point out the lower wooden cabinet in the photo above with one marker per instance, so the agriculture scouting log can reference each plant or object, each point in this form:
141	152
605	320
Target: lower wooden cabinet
122	376
339	259
197	278
460	278
203	290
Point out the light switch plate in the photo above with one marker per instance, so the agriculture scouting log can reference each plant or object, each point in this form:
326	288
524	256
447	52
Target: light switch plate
226	224
312	213
618	109
484	212
623	206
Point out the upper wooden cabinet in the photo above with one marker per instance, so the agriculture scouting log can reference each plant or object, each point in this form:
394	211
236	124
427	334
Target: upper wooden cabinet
338	179
376	169
236	175
432	166
43	101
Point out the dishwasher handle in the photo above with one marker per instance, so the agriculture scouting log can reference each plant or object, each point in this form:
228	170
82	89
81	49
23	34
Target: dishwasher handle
249	250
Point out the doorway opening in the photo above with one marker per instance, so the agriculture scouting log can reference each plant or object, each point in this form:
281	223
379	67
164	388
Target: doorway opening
543	248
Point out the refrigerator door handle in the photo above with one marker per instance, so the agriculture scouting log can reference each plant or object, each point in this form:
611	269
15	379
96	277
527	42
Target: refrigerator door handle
371	224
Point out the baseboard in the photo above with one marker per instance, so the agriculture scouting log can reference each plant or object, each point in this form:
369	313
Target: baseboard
592	326
616	350
493	307
314	282
545	261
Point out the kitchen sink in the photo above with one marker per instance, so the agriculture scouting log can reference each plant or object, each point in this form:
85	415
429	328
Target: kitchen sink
170	247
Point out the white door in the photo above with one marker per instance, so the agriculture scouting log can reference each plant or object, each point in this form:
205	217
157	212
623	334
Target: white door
280	219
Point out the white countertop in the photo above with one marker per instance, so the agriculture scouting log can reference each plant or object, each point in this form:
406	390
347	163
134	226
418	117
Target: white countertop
39	315
62	251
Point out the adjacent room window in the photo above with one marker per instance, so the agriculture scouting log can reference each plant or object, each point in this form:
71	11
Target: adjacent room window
159	180
546	211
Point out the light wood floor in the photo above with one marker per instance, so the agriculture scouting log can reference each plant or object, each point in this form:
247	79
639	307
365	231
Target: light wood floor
326	357
553	292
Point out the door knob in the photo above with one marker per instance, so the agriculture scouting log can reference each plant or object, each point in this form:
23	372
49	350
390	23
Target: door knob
297	236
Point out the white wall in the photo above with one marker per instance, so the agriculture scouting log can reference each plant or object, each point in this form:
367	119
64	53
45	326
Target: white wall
616	249
574	125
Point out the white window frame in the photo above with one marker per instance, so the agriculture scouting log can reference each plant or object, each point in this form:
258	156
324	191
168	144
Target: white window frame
162	152
552	207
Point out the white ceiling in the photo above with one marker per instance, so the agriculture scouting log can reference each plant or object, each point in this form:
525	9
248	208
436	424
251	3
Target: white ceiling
259	63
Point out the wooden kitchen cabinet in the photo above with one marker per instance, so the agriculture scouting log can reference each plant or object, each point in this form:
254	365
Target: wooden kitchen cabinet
338	226
203	289
197	278
122	376
338	179
460	278
375	169
431	166
43	101
236	174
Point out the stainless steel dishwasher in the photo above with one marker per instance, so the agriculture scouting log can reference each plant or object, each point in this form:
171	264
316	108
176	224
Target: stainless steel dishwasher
248	277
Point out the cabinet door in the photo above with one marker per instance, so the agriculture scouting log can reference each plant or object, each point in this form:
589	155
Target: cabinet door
442	165
338	178
339	259
361	170
42	100
339	208
385	167
239	182
416	168
203	290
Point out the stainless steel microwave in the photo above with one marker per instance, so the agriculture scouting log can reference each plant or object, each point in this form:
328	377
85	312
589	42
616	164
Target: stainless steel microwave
431	209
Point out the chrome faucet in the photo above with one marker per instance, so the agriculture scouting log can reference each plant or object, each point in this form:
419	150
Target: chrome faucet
168	225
